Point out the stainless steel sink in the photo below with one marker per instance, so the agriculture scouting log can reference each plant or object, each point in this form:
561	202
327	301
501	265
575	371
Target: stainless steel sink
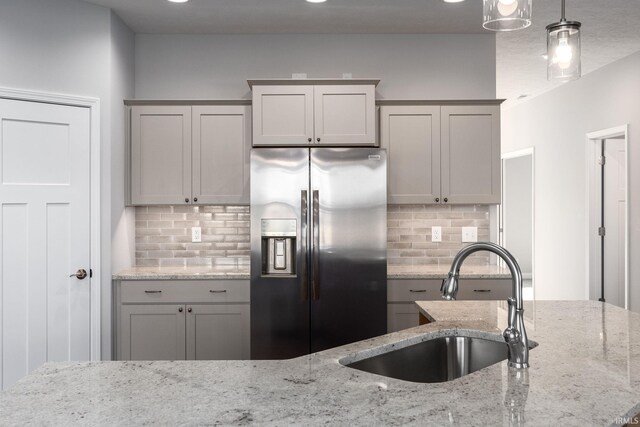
437	360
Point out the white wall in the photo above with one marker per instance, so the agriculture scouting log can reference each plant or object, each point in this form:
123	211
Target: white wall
413	66
556	124
122	219
66	46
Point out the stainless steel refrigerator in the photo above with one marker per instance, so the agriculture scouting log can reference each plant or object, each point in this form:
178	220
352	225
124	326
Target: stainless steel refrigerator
318	249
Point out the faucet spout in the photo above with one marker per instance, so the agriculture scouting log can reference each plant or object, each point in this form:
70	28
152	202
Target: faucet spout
515	335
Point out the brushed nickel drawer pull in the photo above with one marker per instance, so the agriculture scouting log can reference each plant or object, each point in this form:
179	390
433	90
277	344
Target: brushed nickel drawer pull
482	290
152	292
217	292
417	291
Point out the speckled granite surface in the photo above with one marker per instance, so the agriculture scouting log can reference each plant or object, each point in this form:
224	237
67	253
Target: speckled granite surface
183	273
438	272
585	371
233	272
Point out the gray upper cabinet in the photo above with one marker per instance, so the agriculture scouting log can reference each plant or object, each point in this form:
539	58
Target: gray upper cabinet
411	135
282	115
160	154
183	154
471	154
221	147
442	154
345	114
328	114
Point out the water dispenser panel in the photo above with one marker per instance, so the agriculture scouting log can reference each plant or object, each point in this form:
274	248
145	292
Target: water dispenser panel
278	246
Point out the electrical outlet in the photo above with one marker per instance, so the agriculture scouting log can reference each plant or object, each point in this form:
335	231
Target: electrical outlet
469	234
196	234
436	234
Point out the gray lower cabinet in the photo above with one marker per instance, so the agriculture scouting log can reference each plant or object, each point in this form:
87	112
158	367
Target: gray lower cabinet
402	312
218	332
182	320
152	332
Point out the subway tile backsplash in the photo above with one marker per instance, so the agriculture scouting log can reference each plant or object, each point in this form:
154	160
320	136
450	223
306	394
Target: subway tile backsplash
409	233
163	234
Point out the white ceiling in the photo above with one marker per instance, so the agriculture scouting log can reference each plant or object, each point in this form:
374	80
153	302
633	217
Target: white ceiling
610	27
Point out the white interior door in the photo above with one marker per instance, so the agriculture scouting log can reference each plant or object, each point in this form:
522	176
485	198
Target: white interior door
45	235
614	199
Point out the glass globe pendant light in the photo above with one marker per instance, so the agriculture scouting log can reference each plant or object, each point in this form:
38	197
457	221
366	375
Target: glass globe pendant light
506	15
563	49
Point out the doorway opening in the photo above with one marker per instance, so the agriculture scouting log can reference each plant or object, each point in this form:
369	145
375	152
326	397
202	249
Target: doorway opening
608	222
516	213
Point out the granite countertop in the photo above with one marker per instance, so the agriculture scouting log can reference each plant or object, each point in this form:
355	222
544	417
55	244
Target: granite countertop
486	271
233	272
585	371
183	273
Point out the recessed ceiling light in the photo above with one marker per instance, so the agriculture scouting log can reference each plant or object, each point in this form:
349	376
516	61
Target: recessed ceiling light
316	1
453	1
178	1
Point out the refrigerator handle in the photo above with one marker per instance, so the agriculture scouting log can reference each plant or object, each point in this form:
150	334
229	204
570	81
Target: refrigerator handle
315	247
304	238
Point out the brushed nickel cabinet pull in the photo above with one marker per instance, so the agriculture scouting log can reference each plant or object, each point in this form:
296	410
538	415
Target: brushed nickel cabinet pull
152	292
417	291
482	290
217	292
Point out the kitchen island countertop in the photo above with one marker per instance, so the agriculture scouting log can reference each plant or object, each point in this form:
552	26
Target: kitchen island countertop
585	371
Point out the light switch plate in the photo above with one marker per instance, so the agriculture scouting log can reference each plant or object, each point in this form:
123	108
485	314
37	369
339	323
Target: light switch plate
196	234
436	234
469	234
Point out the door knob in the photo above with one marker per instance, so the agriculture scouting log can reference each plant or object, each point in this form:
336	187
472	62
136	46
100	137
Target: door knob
80	274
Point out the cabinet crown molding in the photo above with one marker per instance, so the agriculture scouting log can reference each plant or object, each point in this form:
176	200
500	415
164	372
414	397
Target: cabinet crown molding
283	82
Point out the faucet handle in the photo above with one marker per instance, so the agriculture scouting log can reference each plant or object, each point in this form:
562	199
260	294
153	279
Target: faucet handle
511	317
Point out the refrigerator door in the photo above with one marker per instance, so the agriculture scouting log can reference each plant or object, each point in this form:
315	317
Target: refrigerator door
279	290
348	264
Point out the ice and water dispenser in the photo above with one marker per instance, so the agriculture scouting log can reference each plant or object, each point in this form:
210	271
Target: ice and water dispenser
278	247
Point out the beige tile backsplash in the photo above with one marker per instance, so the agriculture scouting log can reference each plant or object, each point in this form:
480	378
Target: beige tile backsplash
163	234
409	233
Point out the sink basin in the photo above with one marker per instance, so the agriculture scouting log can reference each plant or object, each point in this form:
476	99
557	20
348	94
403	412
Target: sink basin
437	360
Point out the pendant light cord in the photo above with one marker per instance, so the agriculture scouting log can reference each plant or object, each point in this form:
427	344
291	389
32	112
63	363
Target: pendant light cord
562	12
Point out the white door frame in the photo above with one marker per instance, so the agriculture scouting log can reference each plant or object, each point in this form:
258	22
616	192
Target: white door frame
592	238
529	151
94	113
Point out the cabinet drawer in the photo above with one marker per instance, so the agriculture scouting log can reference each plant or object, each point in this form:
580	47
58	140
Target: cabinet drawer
184	291
413	290
484	289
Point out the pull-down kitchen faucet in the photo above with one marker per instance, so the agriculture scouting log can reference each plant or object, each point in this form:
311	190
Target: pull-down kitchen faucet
515	334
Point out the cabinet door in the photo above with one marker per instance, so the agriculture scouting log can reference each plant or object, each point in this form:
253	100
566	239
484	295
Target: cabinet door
218	332
401	316
221	145
471	154
282	115
152	332
345	114
411	135
160	154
